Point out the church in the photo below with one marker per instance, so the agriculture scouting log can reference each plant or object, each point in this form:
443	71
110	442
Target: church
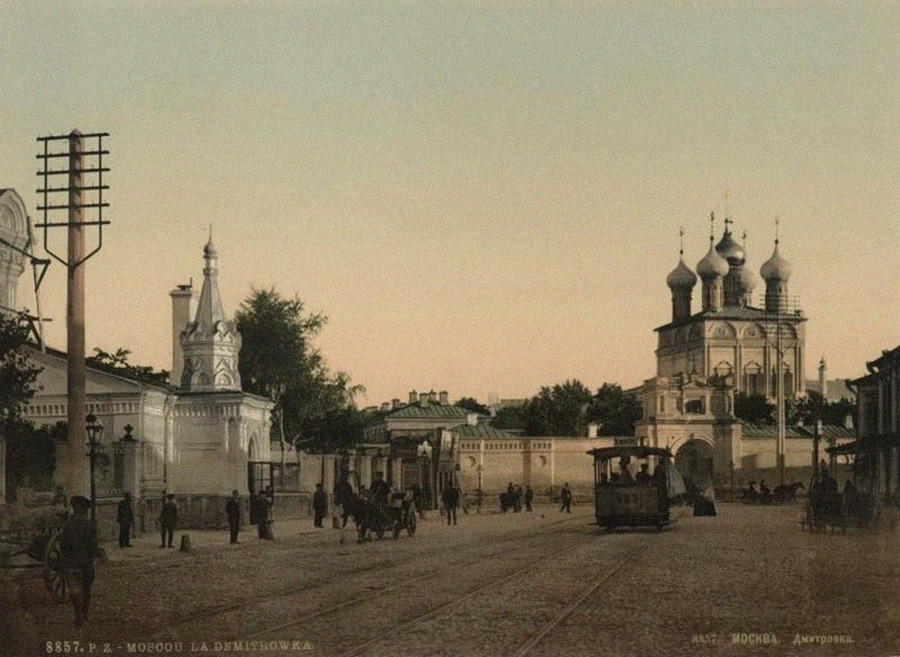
727	346
199	437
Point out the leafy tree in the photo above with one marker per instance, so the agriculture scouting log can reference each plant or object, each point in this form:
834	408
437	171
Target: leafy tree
31	453
806	410
508	418
614	411
117	363
470	404
313	407
756	409
17	386
557	411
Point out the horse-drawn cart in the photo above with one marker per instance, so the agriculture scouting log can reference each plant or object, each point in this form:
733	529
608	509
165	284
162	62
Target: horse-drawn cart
32	541
826	508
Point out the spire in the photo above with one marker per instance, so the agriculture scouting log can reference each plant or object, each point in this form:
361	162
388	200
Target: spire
210	343
681	242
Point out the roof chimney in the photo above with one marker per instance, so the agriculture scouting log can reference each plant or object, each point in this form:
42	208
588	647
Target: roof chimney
423	398
444	397
385	406
181	316
395	403
432	396
413	397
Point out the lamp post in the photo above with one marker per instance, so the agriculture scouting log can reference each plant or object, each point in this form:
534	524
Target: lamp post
479	469
93	430
424	451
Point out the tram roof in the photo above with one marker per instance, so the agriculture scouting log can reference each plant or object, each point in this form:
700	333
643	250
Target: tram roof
638	451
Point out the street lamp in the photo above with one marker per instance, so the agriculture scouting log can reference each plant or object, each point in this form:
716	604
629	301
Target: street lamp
424	451
93	429
479	469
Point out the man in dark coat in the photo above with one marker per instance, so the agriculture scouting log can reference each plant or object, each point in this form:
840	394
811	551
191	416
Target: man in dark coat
320	504
125	518
78	545
529	497
380	490
168	518
450	498
233	514
566	496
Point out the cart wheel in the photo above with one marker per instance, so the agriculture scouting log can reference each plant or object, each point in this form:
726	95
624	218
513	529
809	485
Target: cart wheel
411	524
54	571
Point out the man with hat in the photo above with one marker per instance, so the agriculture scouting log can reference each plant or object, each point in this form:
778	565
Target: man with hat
125	518
78	545
168	518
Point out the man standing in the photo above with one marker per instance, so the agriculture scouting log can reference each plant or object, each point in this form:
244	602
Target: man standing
78	545
320	504
566	496
233	513
450	498
125	518
529	497
380	490
168	518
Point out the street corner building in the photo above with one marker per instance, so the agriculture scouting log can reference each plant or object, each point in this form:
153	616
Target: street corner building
199	437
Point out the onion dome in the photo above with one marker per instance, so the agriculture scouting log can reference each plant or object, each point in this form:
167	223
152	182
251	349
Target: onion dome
730	250
712	265
775	268
681	277
746	280
209	251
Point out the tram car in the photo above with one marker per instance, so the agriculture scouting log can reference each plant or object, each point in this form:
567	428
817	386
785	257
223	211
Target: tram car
634	486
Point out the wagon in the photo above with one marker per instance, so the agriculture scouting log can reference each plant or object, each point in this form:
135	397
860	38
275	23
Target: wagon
826	508
37	537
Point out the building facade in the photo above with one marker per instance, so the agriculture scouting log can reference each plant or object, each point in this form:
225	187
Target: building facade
877	450
197	438
703	358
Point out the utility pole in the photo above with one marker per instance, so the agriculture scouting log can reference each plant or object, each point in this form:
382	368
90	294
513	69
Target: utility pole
77	473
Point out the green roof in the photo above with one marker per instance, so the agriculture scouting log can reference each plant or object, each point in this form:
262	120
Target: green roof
431	410
483	431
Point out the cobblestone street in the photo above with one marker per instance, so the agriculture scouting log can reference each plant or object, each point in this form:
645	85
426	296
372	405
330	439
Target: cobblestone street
731	585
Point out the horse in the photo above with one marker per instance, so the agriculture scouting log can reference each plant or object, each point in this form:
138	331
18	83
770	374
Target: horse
787	492
366	514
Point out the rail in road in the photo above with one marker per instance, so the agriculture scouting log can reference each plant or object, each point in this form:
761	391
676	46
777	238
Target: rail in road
175	626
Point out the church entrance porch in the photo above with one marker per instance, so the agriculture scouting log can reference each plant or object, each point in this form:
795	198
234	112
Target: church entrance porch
694	460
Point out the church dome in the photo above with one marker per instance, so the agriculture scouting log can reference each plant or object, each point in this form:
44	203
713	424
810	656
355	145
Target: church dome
209	251
730	250
681	277
746	280
775	268
712	265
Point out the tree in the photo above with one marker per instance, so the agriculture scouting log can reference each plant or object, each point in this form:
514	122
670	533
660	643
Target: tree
17	386
117	363
557	411
313	407
614	411
31	453
755	409
806	410
470	404
508	418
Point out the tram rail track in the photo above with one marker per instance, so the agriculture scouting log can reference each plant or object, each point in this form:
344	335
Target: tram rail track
434	612
208	613
529	646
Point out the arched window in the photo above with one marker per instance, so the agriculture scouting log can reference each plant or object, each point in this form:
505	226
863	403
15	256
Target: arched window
754	383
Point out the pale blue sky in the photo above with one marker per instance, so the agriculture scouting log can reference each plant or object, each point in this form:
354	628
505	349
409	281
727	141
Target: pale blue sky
483	197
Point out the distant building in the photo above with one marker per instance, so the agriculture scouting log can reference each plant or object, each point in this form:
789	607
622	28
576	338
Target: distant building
728	346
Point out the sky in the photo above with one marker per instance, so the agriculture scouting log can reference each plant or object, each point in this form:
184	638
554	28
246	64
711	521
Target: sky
483	197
